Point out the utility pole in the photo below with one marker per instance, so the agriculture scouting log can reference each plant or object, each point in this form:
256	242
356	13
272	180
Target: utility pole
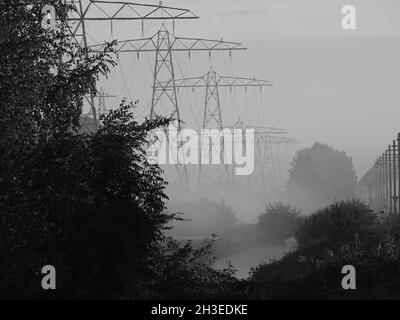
387	182
390	179
398	167
394	179
382	183
375	185
369	183
385	186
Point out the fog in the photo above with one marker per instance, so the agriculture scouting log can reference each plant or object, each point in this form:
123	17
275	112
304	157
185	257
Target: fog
330	85
317	68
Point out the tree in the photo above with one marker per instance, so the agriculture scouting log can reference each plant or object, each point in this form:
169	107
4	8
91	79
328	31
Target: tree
43	79
91	205
320	175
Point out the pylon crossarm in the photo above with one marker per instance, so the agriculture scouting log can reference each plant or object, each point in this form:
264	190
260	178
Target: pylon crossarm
134	45
177	44
227	82
196	82
242	82
122	10
282	140
198	44
263	130
222	81
258	129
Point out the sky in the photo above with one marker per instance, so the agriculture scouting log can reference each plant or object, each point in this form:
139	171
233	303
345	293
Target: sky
331	85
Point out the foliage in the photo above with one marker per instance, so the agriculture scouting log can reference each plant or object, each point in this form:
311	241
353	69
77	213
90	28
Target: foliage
320	175
339	222
278	222
311	274
343	234
89	204
43	79
187	273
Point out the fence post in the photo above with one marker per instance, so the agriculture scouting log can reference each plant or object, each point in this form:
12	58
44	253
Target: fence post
398	167
386	181
394	179
382	183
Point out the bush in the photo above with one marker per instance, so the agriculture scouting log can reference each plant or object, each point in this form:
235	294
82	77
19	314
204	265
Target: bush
314	274
340	222
278	222
183	272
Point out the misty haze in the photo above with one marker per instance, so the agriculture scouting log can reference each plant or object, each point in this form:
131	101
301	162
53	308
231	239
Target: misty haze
280	177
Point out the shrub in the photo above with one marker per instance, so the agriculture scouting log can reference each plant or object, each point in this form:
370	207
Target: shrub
183	272
339	222
278	222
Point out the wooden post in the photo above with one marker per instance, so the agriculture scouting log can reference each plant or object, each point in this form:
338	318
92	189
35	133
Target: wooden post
386	172
382	181
398	167
390	179
377	185
394	179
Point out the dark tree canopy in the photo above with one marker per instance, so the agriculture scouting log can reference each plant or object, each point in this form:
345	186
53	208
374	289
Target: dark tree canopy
320	175
89	204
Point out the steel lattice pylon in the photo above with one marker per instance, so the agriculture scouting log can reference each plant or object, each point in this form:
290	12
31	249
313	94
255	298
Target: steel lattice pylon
102	101
264	141
212	116
211	82
164	44
93	10
164	66
212	109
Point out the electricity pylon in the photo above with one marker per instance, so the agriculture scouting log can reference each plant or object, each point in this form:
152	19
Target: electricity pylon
86	122
265	138
211	82
93	10
266	157
164	44
102	109
212	116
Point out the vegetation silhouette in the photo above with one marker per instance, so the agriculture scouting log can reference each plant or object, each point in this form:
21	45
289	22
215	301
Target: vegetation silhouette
319	176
